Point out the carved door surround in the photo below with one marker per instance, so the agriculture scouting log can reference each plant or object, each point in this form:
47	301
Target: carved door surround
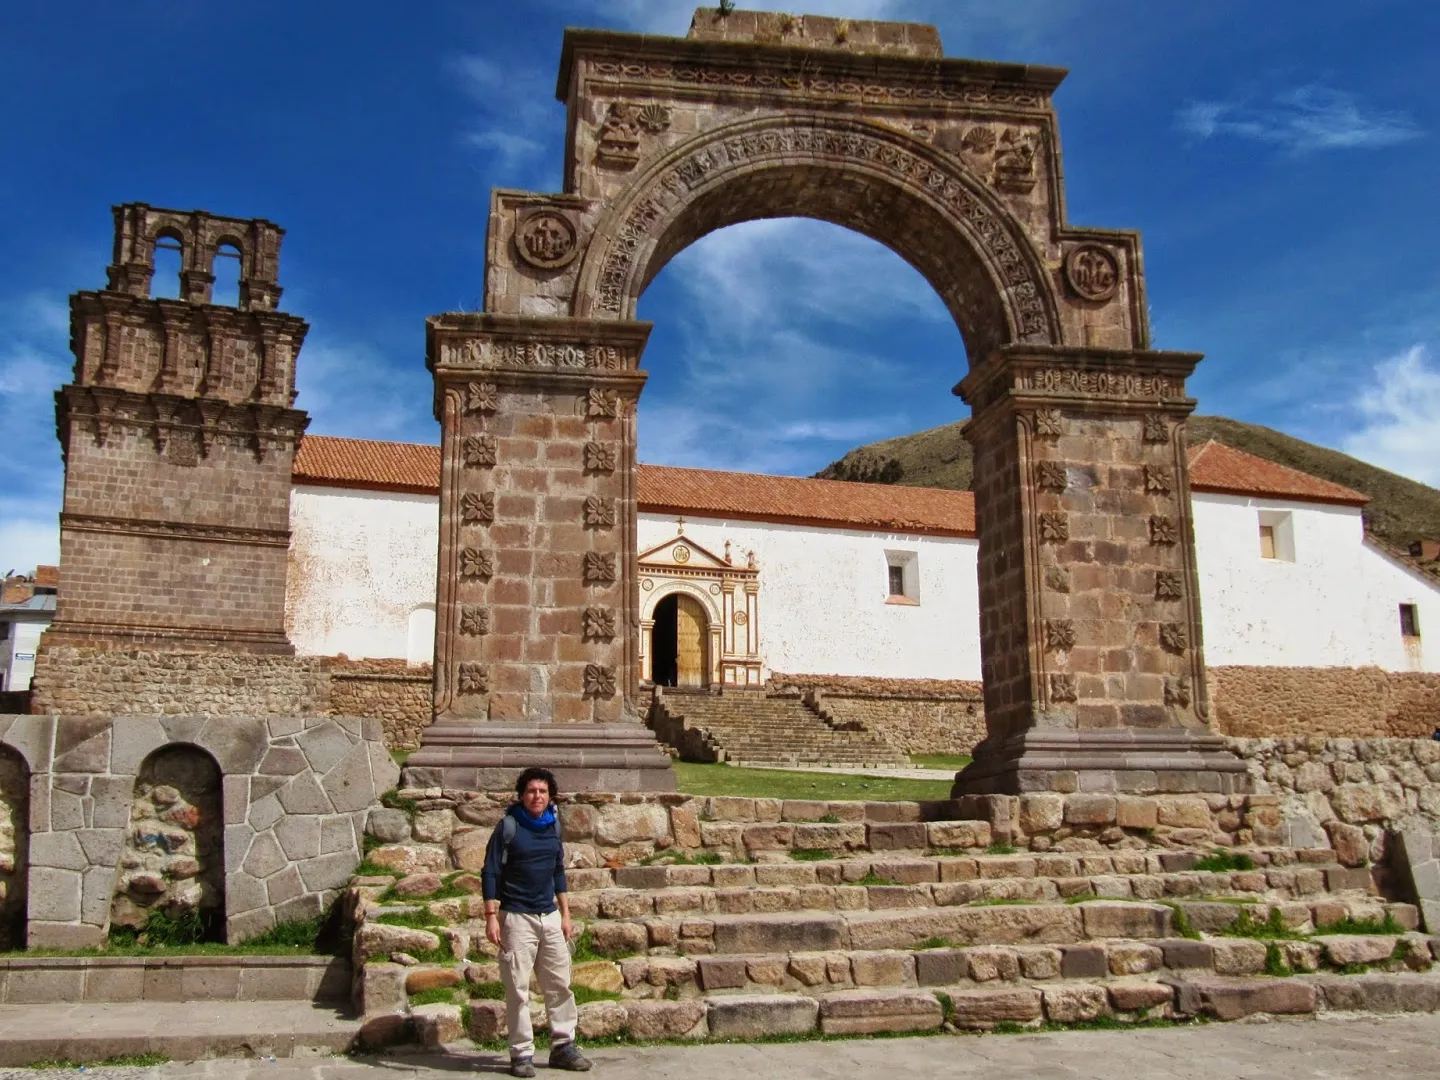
729	596
1091	634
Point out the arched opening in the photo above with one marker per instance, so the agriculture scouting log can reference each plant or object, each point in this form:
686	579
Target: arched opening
14	847
680	642
170	888
169	260
227	268
420	635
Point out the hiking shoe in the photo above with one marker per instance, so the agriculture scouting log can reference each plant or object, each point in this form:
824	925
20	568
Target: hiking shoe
568	1056
523	1066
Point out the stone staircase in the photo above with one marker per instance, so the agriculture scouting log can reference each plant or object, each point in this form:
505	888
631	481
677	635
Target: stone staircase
756	727
768	918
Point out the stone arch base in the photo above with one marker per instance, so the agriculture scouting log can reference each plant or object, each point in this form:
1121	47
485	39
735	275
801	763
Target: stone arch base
296	792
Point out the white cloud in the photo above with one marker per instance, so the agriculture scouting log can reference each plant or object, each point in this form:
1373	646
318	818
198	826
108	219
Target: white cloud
352	389
1304	119
512	103
1401	417
26	543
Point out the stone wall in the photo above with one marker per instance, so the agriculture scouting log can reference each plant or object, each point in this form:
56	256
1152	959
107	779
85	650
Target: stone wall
399	694
14	847
84	681
295	795
1337	703
919	716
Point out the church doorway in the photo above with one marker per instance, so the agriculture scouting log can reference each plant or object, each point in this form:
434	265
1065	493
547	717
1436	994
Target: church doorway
678	642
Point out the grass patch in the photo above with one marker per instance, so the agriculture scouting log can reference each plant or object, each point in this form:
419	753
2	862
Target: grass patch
393	801
872	878
438	995
1218	862
1083	898
813	854
1000	901
1180	921
828	819
940	761
400	756
999	848
586	952
936	943
947	1005
584	994
162	931
422	919
697	779
488	991
676	857
370	869
947	852
119	1061
1275	962
1347	925
1272	929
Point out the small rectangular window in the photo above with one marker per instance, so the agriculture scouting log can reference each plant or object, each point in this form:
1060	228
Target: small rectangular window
1267	541
897	581
1409	621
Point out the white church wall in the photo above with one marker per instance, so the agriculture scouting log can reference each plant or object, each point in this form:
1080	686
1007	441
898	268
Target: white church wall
362	573
823	595
1326	600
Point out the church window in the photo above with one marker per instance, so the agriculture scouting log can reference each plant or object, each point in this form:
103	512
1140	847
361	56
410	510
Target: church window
902	577
1277	536
1409	621
897	580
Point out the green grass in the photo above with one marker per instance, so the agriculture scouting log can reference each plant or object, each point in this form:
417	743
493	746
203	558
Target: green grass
1180	921
160	930
400	756
392	800
488	991
119	1061
827	819
585	949
872	878
584	994
370	869
936	943
1275	963
940	761
999	848
696	779
811	854
1272	929
1347	925
1218	862
422	919
438	995
1083	898
676	857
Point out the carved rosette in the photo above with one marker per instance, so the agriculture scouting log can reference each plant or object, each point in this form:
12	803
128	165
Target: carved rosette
1157	428
1092	272
599	458
479	451
475	563
599	513
1177	691
472	679
1169	585
1159	480
1049	422
1051	476
599	567
601	404
1062	687
1174	637
1054	526
477	507
598	624
1059	635
481	397
474	620
599	681
1163	529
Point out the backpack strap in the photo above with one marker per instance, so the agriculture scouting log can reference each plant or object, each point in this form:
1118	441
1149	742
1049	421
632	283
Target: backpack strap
507	836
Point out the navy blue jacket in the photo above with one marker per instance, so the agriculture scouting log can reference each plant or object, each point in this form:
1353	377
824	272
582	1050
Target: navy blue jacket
534	873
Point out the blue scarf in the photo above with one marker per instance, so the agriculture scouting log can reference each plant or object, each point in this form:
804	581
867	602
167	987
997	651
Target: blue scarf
534	824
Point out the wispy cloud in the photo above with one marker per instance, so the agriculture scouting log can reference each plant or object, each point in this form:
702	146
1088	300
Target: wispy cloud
1301	120
1400	414
353	389
516	122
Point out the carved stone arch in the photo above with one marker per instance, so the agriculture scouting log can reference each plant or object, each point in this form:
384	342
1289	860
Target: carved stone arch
695	590
938	216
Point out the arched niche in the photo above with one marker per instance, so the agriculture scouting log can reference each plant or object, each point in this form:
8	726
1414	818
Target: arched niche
173	861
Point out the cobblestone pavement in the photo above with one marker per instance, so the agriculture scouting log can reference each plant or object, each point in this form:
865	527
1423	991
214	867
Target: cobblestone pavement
1329	1048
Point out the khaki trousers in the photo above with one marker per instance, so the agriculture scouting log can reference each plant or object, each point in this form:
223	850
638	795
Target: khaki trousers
535	943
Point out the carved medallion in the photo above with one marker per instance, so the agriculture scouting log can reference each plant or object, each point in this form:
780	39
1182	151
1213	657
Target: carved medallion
1169	585
1157	430
1174	637
1159	480
714	590
1050	476
546	240
598	624
1177	691
599	457
741	618
478	451
602	403
680	553
599	567
477	508
1054	526
474	620
1059	635
599	681
1062	687
599	513
1163	529
473	679
1049	422
482	397
475	563
647	585
1092	272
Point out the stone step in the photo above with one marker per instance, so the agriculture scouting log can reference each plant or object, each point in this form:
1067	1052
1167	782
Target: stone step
181	1031
40	980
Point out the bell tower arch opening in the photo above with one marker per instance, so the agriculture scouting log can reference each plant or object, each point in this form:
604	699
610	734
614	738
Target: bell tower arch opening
955	165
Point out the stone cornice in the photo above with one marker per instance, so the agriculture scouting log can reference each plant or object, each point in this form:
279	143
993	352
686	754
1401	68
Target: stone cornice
164	311
175	530
102	408
1037	375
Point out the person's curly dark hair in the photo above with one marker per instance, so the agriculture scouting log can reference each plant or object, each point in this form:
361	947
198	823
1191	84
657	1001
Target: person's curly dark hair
536	773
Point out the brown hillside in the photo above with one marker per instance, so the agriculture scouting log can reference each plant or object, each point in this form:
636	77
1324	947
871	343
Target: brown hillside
1400	510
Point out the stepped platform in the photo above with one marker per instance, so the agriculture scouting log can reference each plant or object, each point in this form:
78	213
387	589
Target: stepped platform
900	917
752	727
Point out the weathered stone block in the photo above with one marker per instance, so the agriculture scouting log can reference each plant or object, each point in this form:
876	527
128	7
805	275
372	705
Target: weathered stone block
1070	1004
1238	956
1232	999
984	1008
666	1019
752	1016
1104	919
866	1012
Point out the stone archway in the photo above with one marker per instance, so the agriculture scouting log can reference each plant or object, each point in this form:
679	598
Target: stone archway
1090	623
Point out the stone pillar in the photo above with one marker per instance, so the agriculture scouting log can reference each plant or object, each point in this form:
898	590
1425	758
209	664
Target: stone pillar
1090	628
536	613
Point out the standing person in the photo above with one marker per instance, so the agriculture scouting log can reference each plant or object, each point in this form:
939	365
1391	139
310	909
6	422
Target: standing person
527	914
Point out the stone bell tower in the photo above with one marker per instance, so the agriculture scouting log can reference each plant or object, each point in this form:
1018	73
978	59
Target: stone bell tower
178	437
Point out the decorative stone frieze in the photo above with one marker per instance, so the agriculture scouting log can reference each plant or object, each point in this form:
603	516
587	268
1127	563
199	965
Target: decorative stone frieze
601	404
1174	637
599	681
599	568
473	679
1062	687
1049	422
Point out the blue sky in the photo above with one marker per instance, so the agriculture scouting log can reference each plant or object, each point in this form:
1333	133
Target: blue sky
1281	160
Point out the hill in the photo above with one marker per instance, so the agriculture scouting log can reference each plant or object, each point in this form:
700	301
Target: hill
1400	510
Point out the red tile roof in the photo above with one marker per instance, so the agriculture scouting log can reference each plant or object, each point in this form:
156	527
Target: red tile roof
1222	469
387	466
